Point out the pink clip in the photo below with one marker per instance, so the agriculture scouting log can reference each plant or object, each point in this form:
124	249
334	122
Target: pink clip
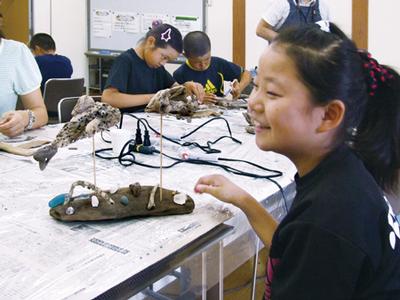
166	35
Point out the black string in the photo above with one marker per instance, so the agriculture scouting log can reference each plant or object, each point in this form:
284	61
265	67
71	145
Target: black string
207	149
127	158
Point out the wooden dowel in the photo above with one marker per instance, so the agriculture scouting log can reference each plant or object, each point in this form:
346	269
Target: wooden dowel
94	161
161	154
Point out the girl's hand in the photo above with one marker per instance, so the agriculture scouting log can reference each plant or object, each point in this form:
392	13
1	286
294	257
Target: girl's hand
221	188
13	123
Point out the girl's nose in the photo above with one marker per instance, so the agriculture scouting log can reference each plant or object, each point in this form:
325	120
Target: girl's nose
255	102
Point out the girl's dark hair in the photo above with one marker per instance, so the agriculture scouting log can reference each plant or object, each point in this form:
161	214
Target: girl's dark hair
330	65
166	35
42	40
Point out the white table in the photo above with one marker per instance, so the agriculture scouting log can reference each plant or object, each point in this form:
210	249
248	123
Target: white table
43	258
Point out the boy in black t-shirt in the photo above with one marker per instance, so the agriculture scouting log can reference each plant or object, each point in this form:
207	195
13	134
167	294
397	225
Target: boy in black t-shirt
139	73
209	70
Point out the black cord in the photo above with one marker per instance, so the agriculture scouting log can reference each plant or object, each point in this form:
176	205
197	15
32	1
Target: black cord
128	158
251	163
207	149
205	123
102	137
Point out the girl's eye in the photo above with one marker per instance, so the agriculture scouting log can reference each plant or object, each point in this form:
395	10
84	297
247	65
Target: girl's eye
272	94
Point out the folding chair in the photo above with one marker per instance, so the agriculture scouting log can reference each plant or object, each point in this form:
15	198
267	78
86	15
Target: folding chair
57	88
66	105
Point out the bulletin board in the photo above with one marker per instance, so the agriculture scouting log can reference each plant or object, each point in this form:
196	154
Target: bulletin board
118	25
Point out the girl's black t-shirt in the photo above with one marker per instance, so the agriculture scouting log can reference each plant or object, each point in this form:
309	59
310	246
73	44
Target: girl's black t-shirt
340	239
130	74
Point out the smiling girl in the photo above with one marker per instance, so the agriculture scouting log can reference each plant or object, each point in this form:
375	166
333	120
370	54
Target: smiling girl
335	113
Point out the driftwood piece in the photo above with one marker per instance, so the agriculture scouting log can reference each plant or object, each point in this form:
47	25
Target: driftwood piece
26	149
127	202
250	127
177	102
231	104
88	117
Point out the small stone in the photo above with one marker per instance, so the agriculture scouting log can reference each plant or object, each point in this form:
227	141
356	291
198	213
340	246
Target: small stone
70	210
135	189
95	201
57	200
124	200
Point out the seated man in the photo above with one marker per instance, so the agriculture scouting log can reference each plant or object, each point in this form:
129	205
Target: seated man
51	65
19	77
210	71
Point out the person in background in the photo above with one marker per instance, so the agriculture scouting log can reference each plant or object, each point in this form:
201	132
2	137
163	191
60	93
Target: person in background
19	77
334	112
284	13
210	71
138	73
51	65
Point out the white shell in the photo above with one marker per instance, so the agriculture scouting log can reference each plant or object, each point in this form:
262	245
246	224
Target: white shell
113	189
70	210
95	201
180	199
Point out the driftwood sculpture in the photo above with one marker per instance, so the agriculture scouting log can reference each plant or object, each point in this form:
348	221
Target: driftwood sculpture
177	101
250	127
88	117
231	104
132	201
25	149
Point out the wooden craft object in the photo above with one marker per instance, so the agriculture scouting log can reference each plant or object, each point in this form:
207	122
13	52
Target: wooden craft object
126	202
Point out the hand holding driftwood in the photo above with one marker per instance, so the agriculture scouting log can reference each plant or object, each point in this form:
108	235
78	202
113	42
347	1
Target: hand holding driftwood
177	101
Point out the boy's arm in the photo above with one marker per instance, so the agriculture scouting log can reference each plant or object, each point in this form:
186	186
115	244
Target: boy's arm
239	86
117	99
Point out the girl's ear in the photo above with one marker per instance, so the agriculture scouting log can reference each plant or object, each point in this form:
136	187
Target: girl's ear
333	115
151	42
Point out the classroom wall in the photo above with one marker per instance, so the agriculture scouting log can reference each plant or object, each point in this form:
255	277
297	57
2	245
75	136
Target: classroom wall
41	16
384	24
54	17
219	27
65	21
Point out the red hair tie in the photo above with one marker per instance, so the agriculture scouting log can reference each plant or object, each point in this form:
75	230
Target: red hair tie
376	74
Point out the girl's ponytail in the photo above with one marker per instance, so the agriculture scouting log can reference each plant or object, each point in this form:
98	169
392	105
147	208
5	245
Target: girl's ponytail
377	139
